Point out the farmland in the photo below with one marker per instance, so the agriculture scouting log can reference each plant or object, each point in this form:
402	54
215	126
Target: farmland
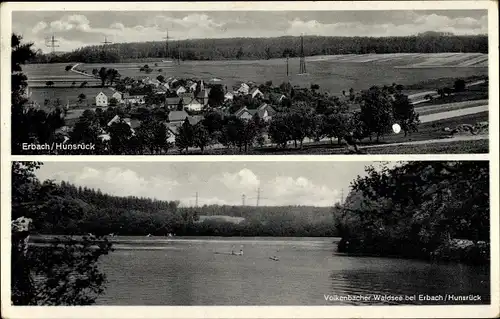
332	73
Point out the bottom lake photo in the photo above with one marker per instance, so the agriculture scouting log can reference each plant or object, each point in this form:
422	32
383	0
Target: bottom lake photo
229	233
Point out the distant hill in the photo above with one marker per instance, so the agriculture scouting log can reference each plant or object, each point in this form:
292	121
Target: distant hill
268	48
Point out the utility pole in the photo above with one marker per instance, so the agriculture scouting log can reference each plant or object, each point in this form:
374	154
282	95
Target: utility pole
243	200
51	43
106	42
196	199
258	196
342	197
166	45
302	56
287	65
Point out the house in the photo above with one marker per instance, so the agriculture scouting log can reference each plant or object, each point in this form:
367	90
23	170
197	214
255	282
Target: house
243	88
264	112
177	116
228	96
172	103
133	99
243	114
255	92
118	96
193	105
165	86
134	124
180	90
101	99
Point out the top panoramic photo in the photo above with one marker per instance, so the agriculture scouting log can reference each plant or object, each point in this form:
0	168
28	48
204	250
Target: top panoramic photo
249	82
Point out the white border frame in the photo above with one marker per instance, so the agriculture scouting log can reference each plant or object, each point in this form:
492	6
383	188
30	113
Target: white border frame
492	310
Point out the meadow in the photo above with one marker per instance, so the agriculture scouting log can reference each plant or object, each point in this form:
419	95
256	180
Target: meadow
332	73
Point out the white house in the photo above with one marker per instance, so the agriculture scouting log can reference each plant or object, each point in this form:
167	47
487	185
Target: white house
101	99
228	96
193	105
243	89
243	114
255	92
134	99
180	90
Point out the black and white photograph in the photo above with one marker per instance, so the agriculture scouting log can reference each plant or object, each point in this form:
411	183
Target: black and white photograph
251	233
250	82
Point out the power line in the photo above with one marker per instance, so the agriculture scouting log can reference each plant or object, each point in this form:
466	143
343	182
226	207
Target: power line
51	43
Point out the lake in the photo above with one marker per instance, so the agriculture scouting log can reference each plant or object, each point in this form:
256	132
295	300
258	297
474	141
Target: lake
201	271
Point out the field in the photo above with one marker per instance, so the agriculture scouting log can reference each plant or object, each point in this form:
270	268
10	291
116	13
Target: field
66	95
331	73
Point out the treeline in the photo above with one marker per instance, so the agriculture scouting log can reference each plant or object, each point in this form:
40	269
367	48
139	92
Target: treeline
269	48
430	210
65	209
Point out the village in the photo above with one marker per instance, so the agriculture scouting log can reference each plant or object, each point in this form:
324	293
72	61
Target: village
176	99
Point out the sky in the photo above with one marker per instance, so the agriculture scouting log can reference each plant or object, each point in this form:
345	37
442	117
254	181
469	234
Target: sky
78	29
281	183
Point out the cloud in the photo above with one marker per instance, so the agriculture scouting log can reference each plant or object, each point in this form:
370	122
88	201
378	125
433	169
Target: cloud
72	22
245	179
119	182
117	26
300	191
39	27
417	24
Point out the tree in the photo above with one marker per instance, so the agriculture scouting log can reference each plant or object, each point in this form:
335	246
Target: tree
404	113
95	72
73	84
83	84
415	209
279	130
103	75
67	272
49	83
87	128
314	87
376	111
120	133
161	78
216	96
81	97
113	102
459	85
153	134
185	136
268	53
239	54
112	75
68	67
201	136
28	125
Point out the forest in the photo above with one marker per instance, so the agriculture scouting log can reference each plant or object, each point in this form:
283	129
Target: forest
429	210
269	48
65	209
